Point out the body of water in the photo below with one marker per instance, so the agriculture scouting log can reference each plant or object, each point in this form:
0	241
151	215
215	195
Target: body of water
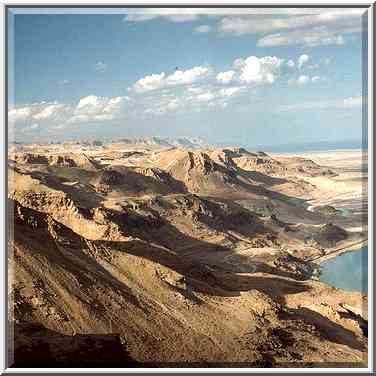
348	271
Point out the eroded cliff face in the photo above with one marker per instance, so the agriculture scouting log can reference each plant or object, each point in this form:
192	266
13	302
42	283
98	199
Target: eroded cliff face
180	275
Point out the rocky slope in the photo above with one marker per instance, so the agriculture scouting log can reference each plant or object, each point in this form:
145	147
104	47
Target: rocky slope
151	297
159	266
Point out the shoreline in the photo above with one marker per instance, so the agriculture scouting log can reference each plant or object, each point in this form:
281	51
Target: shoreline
357	246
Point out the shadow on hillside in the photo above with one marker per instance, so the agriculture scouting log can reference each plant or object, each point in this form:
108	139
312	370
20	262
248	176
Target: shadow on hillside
261	178
208	280
68	252
328	329
37	346
132	183
83	197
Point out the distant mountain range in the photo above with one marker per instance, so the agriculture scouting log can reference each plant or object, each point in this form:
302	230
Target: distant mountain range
184	142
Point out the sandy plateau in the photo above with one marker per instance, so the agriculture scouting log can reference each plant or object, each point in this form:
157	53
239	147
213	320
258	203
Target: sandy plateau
149	254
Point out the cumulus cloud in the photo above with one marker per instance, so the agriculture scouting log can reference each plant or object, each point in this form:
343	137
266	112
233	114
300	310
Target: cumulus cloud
205	97
252	71
213	96
148	83
58	115
225	77
259	70
202	29
346	103
302	60
43	111
164	105
19	114
304	79
187	77
229	92
93	108
54	111
182	90
192	98
179	77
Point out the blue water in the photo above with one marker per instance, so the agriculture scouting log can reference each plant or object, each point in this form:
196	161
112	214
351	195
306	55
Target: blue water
344	212
348	271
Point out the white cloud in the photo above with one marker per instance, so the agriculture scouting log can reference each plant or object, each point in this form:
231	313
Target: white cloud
151	82
205	97
229	92
187	77
310	37
93	108
164	105
188	99
170	14
43	111
100	67
193	14
302	60
19	114
304	80
347	103
158	105
202	29
320	27
173	104
225	77
334	18
193	88
158	81
58	115
51	111
259	70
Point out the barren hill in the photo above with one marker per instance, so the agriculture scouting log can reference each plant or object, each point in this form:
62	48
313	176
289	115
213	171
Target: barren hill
199	256
151	297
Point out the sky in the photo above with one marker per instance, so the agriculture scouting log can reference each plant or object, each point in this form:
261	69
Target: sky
229	76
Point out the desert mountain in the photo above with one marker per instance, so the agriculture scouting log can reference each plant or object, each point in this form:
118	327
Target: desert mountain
151	296
61	160
177	255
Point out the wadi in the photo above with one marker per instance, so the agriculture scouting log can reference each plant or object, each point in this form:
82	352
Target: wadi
154	252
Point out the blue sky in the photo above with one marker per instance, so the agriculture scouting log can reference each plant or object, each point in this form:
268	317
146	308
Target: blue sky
228	76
